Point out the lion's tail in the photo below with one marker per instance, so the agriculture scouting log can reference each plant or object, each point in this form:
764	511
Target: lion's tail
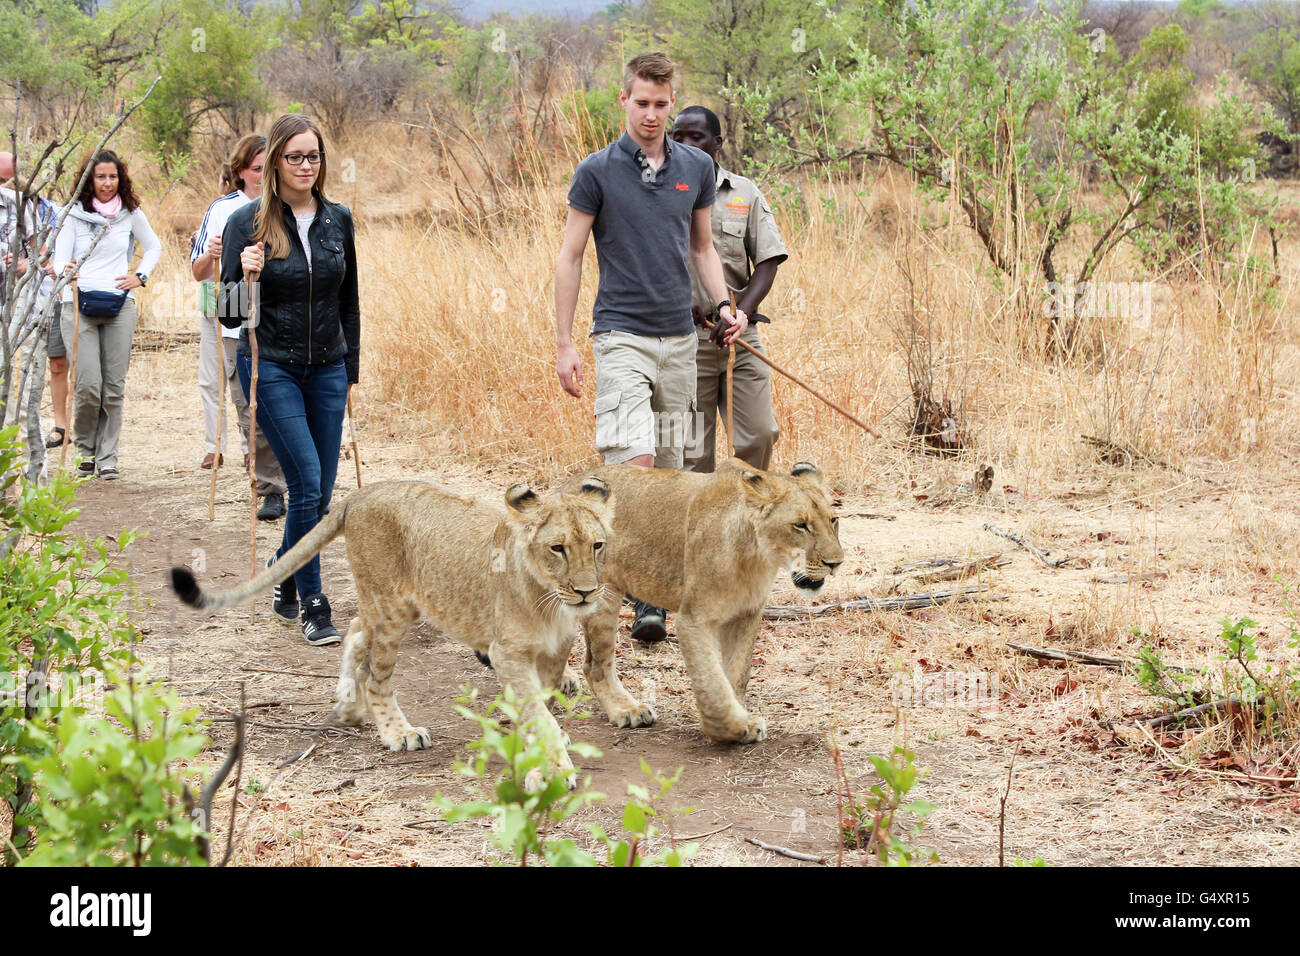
326	530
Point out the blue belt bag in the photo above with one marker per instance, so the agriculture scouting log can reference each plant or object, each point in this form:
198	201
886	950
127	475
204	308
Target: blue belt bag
100	305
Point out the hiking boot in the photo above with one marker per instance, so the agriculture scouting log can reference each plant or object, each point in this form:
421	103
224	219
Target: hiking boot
284	597
651	624
272	507
317	628
109	474
86	467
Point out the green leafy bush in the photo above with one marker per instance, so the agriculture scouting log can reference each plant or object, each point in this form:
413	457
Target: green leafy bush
529	797
523	812
84	789
637	821
109	793
872	823
1270	695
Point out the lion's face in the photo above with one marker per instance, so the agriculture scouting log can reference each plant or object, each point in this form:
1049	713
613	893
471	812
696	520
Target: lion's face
563	540
796	518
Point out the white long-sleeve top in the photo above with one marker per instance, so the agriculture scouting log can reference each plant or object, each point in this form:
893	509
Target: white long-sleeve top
110	259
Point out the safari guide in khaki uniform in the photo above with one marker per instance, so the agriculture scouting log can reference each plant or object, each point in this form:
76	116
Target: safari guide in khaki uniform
744	231
645	199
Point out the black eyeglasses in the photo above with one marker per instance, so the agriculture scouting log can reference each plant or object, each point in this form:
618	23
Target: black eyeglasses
296	159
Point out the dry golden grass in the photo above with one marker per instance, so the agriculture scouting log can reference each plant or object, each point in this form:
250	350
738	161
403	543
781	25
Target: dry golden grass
458	321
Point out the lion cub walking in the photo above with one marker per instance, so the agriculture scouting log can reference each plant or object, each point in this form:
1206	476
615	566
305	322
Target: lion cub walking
511	585
709	547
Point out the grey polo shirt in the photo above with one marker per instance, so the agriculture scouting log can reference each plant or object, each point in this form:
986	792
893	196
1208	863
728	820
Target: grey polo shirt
643	233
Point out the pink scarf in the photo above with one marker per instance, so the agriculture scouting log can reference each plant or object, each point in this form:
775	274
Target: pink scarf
108	209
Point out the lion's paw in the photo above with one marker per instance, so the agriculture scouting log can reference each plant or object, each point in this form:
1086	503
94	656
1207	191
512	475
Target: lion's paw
349	715
637	715
755	731
535	781
415	738
569	685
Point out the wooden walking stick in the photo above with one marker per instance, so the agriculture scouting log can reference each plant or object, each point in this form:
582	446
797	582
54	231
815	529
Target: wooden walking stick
72	378
250	278
804	385
352	432
221	410
731	408
221	425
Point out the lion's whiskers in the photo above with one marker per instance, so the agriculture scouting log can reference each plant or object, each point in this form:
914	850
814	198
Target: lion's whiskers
549	602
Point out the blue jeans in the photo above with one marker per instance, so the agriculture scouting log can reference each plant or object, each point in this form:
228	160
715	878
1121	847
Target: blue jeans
300	408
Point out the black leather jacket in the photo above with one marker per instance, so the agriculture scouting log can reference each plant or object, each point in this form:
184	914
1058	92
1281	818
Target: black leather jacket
307	314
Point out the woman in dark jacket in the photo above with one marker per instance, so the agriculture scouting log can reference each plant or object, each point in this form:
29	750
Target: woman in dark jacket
298	247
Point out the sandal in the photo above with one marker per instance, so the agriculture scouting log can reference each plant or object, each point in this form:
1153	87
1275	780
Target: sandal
53	442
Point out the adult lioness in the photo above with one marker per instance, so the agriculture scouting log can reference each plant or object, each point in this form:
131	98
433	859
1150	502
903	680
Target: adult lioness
510	584
709	547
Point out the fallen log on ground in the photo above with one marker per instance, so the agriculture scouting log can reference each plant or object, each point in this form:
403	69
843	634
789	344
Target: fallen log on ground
899	602
1054	654
951	569
1037	552
1178	715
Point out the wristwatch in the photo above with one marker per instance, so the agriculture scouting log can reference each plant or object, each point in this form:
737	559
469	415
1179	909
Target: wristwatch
144	279
726	302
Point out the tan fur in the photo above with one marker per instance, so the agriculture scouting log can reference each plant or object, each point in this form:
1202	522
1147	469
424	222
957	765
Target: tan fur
708	547
488	578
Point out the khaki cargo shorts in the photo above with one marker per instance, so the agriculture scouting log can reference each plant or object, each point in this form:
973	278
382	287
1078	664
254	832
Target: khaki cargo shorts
645	397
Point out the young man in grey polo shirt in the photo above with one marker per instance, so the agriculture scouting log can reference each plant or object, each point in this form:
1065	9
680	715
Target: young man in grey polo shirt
646	200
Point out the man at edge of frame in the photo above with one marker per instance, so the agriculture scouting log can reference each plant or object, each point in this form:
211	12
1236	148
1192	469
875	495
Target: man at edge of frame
647	202
744	232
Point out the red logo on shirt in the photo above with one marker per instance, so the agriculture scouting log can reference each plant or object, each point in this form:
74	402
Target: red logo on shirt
683	187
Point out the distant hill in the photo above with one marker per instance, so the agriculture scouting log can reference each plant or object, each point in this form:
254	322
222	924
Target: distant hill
482	9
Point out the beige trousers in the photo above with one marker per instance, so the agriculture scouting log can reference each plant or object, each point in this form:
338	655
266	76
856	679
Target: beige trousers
103	357
645	396
210	371
751	388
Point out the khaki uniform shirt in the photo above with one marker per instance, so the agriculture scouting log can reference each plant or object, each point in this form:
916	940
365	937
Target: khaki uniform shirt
744	233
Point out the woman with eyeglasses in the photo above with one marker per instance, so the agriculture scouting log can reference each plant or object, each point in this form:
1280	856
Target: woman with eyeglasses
298	248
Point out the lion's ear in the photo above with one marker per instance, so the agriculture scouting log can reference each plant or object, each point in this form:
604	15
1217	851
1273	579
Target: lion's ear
595	490
760	492
806	469
521	499
757	486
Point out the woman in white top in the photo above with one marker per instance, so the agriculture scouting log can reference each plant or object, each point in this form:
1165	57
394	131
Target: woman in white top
106	315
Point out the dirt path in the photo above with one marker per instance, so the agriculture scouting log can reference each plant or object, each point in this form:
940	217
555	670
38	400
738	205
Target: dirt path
1078	796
